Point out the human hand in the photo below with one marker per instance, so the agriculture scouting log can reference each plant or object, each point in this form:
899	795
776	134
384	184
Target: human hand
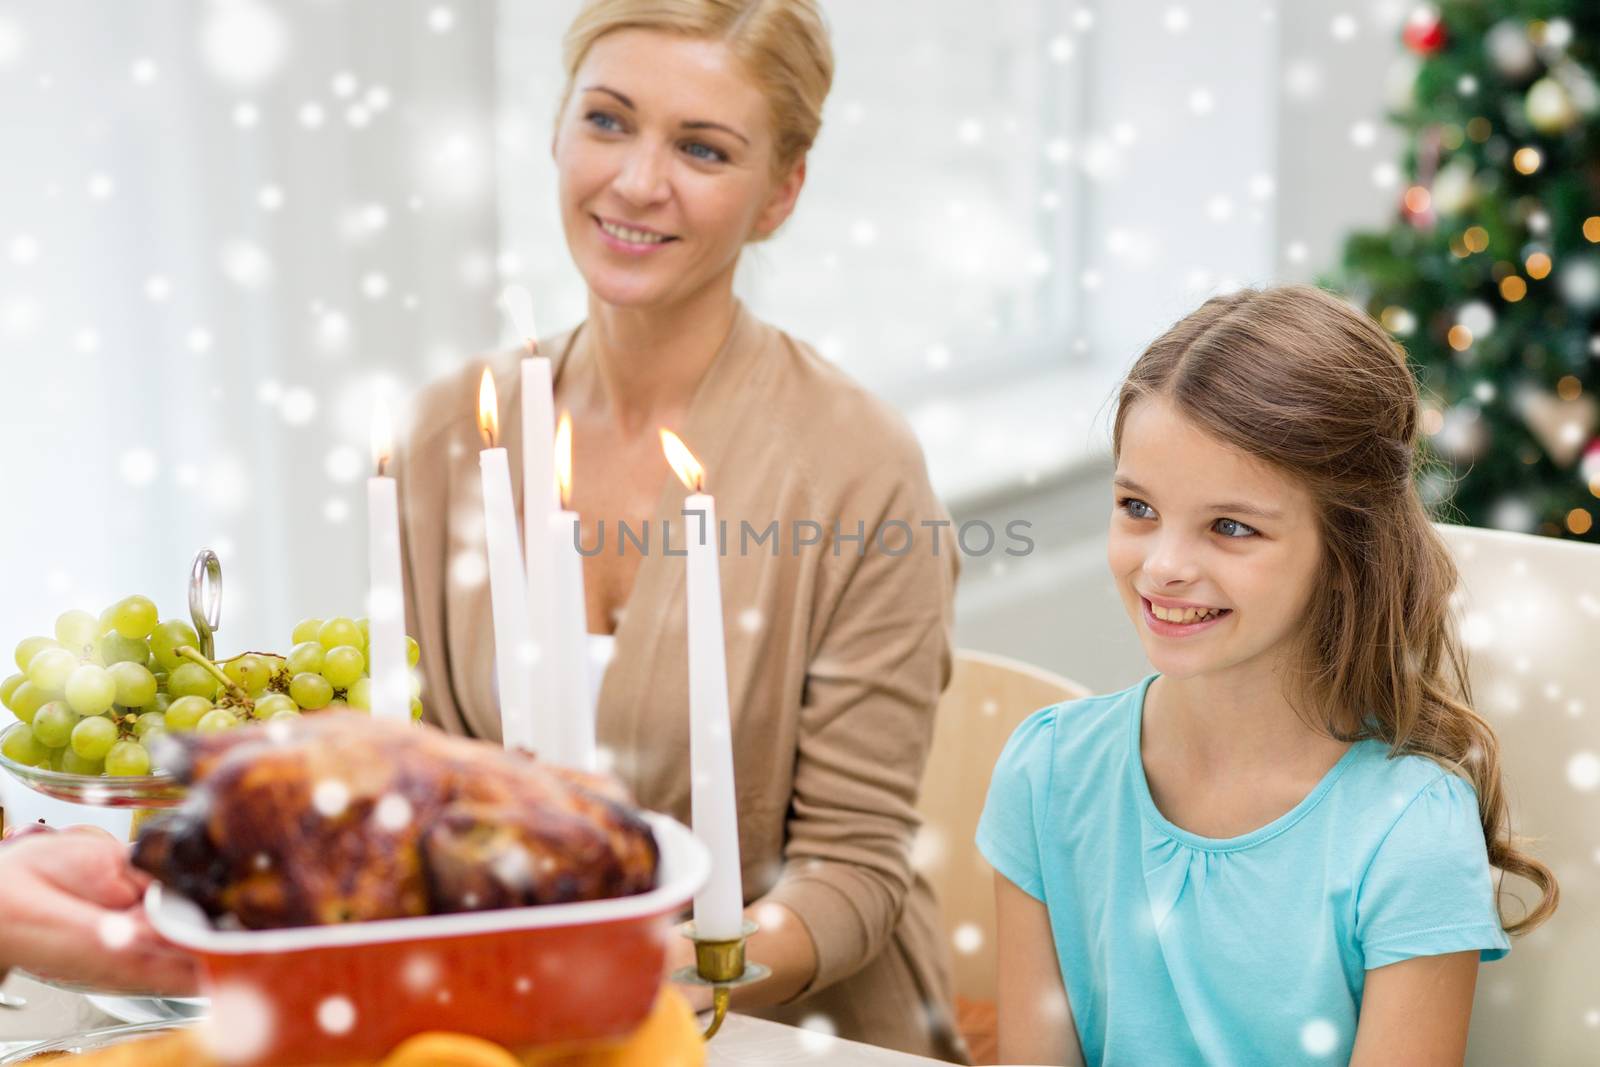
71	910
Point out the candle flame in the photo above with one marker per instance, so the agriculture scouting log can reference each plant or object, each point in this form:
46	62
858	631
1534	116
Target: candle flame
564	459
488	410
683	463
382	435
517	303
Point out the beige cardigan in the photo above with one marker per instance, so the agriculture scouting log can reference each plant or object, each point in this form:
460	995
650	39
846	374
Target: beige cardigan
835	658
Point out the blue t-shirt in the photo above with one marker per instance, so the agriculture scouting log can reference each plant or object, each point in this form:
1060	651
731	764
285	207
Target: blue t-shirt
1179	949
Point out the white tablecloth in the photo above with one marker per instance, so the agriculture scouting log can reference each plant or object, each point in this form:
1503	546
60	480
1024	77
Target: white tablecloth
743	1042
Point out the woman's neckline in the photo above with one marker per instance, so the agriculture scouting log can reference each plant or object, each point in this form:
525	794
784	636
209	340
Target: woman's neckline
695	426
1152	814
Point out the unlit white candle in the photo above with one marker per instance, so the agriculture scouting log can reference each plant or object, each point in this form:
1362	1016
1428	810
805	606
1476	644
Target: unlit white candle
719	907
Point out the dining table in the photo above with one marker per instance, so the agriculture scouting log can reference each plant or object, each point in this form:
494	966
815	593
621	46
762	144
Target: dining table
43	1012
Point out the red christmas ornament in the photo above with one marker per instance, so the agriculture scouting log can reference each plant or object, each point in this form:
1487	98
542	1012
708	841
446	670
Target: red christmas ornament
1424	32
1589	466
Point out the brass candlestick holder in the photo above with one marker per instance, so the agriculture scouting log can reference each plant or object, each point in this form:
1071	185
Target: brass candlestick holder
722	966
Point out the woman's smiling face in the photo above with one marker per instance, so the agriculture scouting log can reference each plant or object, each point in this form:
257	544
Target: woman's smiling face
1215	553
666	158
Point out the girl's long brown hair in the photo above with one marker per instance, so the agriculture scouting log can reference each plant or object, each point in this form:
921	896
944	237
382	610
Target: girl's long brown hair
1296	377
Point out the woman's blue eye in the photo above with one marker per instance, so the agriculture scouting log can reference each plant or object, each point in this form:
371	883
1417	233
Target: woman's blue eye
705	152
602	120
1233	528
1135	508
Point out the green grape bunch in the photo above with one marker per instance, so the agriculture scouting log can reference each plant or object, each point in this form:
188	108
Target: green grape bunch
91	699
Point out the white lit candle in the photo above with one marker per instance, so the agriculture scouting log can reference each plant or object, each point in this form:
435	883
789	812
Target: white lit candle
539	505
574	712
386	641
719	907
508	591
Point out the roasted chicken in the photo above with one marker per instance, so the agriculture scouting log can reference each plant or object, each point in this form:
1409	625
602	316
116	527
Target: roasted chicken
338	818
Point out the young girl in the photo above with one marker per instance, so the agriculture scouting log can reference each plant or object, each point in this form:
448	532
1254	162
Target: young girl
1282	847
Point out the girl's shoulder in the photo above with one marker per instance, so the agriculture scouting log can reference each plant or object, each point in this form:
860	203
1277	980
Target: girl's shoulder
1075	729
1417	860
1399	814
1397	782
1053	773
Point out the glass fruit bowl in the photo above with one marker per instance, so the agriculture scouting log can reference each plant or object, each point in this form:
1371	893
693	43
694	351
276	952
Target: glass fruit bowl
155	790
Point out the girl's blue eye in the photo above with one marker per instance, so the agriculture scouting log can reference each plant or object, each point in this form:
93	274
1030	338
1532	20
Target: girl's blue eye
603	121
1233	528
1135	508
704	152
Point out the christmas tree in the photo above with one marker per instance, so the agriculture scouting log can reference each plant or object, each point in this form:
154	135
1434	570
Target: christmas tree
1490	273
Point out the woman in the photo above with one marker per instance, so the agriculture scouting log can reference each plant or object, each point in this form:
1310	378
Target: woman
681	138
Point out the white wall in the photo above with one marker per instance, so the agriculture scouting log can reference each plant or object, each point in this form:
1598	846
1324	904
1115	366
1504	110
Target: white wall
1179	157
1337	158
195	309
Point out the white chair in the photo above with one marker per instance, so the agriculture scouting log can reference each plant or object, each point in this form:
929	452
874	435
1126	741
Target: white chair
1530	618
987	698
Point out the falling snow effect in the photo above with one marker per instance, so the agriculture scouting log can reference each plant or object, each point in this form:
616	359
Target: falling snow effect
336	1015
1583	772
468	570
331	798
819	1034
956	266
967	938
1319	1037
393	813
116	932
344	464
246	264
138	467
241	1025
244	43
421	974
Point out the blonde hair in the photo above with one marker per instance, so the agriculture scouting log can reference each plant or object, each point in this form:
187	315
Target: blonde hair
1297	378
783	44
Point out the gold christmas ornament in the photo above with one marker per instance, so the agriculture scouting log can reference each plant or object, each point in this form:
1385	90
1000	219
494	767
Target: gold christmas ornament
1550	108
1454	188
1510	50
1562	427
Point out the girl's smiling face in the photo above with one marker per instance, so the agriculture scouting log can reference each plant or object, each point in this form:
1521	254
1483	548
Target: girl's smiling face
1215	553
666	157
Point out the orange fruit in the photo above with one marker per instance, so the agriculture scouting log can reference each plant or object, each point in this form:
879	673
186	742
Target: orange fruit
449	1050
